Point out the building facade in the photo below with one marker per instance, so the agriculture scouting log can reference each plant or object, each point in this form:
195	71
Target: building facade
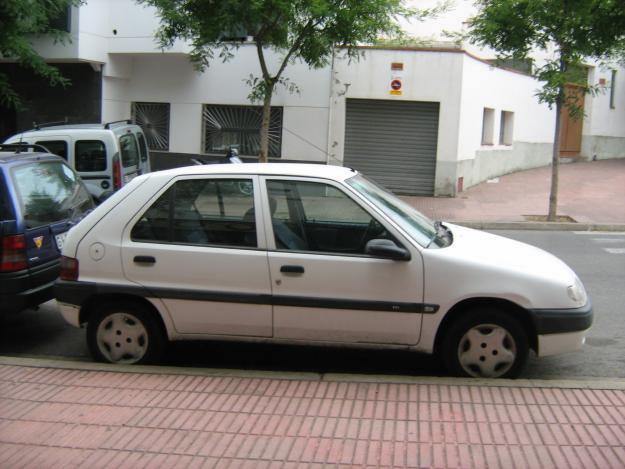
423	121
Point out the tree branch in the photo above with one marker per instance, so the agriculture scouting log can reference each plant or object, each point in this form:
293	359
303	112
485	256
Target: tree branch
294	47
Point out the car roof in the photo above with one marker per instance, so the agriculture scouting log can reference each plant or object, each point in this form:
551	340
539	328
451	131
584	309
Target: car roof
339	173
76	127
7	157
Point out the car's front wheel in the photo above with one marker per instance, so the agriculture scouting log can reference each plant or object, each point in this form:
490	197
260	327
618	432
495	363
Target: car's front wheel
125	333
486	343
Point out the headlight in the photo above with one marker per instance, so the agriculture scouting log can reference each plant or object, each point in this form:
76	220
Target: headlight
577	293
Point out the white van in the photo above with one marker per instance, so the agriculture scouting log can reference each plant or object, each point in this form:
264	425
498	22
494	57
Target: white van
106	156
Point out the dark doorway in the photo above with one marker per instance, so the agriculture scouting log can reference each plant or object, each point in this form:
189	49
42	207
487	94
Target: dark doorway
79	102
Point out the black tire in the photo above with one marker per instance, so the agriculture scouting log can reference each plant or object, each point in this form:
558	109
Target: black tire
125	332
499	347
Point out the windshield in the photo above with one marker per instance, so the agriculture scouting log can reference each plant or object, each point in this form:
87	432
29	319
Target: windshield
421	228
49	192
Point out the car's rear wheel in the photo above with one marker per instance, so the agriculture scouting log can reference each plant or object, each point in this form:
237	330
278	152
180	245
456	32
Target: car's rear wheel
125	333
486	343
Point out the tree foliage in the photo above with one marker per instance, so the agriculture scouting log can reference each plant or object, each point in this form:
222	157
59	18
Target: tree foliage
20	22
568	32
307	30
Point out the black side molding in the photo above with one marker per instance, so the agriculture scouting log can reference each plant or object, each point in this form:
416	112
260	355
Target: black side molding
77	293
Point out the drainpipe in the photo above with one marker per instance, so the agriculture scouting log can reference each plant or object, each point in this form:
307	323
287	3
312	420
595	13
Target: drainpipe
330	107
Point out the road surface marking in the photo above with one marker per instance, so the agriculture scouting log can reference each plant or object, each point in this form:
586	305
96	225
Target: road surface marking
615	250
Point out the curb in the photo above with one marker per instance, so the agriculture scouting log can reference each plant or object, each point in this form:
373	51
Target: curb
616	384
540	226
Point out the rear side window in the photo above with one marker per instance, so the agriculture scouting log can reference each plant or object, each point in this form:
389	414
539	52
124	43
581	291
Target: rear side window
143	149
213	212
129	150
90	156
49	192
56	147
6	209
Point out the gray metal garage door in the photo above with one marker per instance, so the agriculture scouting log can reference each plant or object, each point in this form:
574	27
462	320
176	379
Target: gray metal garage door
393	142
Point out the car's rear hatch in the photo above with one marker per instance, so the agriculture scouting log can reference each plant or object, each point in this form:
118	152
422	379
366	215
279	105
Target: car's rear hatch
51	199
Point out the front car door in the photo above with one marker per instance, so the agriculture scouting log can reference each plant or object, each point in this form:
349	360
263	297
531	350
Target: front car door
196	247
325	288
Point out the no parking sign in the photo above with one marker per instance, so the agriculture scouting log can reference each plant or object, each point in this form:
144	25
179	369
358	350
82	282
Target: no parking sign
395	87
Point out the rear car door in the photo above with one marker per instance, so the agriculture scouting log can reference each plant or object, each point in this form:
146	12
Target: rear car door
130	157
198	248
325	288
144	154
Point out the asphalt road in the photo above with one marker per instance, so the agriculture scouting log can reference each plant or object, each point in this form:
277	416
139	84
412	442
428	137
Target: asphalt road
598	258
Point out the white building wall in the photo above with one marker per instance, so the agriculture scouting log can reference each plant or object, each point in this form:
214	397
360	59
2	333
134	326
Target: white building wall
171	78
485	86
427	76
603	134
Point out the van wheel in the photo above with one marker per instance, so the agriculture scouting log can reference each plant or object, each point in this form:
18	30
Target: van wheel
126	333
486	343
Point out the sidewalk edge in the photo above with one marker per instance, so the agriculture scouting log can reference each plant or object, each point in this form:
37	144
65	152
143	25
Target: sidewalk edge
540	226
580	383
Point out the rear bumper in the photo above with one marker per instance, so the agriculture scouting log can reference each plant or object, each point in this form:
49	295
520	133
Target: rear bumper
27	288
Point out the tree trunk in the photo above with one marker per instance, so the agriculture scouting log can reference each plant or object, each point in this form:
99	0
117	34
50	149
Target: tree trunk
263	155
555	166
555	157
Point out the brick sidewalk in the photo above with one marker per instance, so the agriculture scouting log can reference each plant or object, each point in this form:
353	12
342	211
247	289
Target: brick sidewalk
76	418
590	192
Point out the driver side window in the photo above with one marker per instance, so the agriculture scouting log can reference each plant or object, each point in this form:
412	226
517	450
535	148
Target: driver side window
312	216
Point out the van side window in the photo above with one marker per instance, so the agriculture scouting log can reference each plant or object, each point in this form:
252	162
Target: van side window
143	149
130	153
89	156
57	147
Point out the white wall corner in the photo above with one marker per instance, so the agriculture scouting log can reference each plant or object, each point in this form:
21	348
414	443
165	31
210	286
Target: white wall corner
118	66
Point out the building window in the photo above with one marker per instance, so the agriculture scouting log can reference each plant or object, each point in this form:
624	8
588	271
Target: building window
153	118
613	90
238	127
63	21
488	127
506	128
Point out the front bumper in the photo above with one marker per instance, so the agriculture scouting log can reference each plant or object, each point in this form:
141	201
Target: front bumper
560	321
561	330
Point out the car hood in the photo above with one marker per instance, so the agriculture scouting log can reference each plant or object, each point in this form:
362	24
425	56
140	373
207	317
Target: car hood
487	248
483	264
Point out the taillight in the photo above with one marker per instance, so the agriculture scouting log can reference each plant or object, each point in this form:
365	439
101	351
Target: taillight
117	173
13	253
69	268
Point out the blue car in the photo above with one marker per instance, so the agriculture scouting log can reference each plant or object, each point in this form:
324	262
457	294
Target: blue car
41	198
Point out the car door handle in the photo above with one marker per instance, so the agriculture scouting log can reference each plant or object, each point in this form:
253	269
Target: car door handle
292	269
144	260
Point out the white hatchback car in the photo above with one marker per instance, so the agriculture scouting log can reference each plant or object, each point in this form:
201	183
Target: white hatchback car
310	254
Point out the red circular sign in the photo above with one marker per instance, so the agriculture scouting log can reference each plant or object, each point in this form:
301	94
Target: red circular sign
396	85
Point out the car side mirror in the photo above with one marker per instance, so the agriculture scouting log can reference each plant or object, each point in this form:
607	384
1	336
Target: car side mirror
386	249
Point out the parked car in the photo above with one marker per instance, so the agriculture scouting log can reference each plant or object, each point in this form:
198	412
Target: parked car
106	156
41	198
309	254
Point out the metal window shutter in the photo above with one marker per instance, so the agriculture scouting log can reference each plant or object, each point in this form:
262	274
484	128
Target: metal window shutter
393	142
